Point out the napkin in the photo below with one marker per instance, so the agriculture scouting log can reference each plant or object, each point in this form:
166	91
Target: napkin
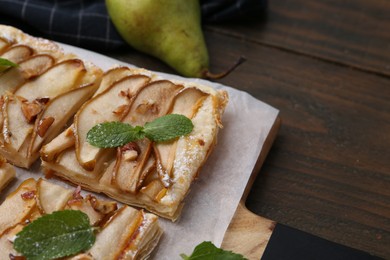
85	23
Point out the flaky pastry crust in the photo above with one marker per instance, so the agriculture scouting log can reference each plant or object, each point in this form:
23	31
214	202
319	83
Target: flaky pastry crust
31	94
148	175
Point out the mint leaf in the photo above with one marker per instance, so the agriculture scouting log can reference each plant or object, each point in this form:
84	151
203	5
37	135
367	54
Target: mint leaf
55	235
113	134
208	251
7	63
168	127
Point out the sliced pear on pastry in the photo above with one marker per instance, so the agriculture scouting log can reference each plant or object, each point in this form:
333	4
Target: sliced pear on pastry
51	197
27	69
111	76
59	79
107	106
30	99
116	234
4	136
17	53
7	172
153	101
148	168
94	208
36	65
3	44
186	103
18	205
53	97
154	177
124	233
139	245
63	141
153	189
127	173
16	128
85	206
56	113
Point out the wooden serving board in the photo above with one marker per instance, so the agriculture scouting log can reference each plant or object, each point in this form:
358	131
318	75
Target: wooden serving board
248	234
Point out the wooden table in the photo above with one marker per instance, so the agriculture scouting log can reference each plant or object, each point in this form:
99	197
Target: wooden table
326	66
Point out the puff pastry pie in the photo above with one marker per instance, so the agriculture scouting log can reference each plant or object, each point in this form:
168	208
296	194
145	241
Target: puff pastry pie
39	96
124	233
7	172
155	176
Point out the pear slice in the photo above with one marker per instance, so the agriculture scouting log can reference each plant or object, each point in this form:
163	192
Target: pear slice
116	233
94	208
27	69
139	246
186	103
51	197
5	134
63	141
148	167
85	206
153	101
36	65
15	127
59	79
153	189
3	44
111	76
2	107
60	108
107	106
17	53
7	172
126	173
24	106
18	205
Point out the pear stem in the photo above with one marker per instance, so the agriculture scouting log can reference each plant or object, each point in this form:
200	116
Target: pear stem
208	75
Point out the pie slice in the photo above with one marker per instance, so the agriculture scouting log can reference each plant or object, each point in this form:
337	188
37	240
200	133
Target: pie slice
155	176
7	173
123	233
40	95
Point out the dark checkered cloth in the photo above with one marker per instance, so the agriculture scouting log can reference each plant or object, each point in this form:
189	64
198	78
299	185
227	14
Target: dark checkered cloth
86	23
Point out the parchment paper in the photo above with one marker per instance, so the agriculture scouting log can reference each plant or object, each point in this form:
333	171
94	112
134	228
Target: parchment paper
212	201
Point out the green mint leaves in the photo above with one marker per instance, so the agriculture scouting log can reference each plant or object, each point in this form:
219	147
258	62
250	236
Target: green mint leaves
55	235
7	63
115	134
168	127
208	251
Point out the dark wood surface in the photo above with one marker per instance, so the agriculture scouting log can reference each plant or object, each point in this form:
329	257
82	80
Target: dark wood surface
326	66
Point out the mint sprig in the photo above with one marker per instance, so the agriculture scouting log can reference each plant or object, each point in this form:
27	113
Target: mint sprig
55	235
208	251
7	63
115	134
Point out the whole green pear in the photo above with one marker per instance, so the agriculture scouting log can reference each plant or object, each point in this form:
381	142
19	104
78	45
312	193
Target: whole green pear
167	29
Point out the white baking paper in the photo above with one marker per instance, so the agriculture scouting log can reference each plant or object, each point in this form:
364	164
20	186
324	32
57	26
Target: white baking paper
212	201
